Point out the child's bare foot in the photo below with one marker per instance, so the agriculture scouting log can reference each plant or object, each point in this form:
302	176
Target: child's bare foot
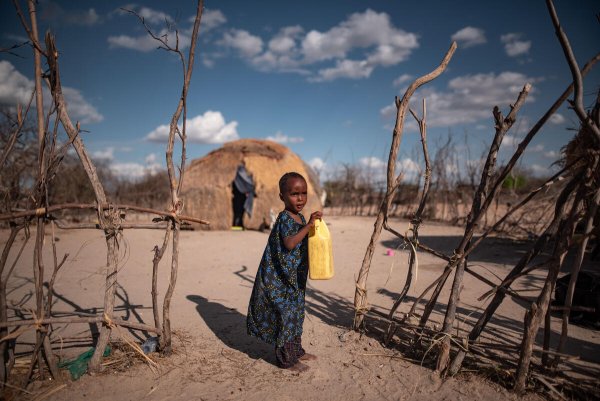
308	357
299	367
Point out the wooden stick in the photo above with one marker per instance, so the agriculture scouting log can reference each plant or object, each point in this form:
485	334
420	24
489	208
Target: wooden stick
415	222
576	74
93	226
538	309
575	268
158	254
360	295
490	310
481	202
105	206
82	319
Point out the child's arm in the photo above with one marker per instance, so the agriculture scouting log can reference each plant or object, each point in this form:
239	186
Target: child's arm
293	240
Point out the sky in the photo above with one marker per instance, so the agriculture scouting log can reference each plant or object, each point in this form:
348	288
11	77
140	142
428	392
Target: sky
319	77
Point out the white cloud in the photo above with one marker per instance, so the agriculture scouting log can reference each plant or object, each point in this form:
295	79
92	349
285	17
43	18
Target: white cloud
133	170
510	141
408	166
87	17
281	138
469	98
282	53
210	19
373	168
145	43
150	15
469	36
557	119
209	127
344	69
155	19
389	111
285	40
106	154
536	148
317	164
360	30
475	164
79	108
514	46
244	42
51	11
552	154
373	163
370	37
15	88
151	158
402	79
128	170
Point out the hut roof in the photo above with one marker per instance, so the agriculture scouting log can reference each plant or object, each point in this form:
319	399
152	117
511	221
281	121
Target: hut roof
207	186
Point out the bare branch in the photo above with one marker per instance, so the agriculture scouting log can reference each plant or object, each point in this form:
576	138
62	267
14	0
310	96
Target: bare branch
15	46
33	38
105	206
360	295
577	77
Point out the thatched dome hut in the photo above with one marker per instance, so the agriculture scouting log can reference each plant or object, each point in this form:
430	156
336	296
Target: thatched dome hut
208	183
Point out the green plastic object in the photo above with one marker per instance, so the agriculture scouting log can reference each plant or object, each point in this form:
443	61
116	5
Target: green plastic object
78	366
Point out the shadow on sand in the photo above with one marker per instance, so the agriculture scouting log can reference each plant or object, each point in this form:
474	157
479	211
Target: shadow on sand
229	326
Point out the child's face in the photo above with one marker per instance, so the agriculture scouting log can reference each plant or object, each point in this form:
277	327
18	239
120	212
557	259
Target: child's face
294	196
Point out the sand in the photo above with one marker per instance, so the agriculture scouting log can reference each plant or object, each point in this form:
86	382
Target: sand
214	359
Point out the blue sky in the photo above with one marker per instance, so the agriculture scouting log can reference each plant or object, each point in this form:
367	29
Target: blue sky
318	76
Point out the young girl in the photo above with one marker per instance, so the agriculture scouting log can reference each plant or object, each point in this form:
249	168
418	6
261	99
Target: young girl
276	310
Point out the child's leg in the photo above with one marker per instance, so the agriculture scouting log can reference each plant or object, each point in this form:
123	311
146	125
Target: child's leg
286	355
298	350
301	352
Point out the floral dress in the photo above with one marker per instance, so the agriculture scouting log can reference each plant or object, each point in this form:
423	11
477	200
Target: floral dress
276	310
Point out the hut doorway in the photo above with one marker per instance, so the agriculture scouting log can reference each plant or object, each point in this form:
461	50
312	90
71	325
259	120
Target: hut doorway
243	196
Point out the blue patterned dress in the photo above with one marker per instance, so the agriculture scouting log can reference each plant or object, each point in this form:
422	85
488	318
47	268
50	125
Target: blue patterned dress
276	310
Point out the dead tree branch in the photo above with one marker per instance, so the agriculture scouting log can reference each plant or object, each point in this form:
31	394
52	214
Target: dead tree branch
481	202
415	223
576	74
360	296
543	239
105	206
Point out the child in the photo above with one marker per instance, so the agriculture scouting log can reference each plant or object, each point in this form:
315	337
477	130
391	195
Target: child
276	310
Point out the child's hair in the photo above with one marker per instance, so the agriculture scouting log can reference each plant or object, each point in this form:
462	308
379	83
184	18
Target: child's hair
285	178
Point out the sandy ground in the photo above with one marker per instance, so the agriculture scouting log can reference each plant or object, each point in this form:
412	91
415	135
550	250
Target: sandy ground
214	358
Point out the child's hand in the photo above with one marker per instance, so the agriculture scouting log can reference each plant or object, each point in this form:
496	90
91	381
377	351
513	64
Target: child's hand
313	217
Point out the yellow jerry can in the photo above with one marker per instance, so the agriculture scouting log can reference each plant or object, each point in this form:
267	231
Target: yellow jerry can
320	252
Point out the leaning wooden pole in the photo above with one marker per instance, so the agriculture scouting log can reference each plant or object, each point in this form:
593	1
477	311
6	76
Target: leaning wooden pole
534	316
502	289
4	346
575	268
415	223
481	202
110	229
360	296
542	240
